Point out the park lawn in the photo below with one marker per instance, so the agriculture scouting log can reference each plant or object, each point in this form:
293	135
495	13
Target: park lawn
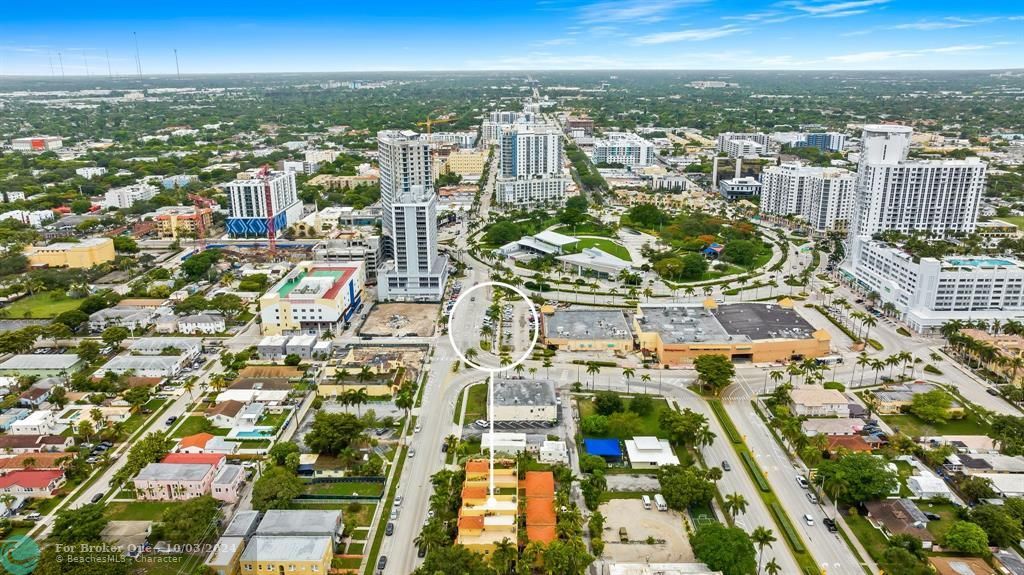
196	424
42	305
614	248
361	488
590	228
138	510
476	403
1015	220
649	425
912	425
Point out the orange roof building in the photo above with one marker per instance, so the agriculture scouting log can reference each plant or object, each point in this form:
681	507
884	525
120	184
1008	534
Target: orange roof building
214	459
198	440
849	443
485	521
539	488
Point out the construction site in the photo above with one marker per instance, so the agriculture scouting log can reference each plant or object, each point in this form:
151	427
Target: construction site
401	319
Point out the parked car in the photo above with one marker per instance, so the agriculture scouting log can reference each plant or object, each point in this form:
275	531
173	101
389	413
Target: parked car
830	524
389	529
932	516
421	551
382	563
398	501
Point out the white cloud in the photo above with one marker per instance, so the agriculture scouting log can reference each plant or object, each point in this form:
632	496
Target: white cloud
752	17
842	14
556	42
883	55
636	11
835	8
691	35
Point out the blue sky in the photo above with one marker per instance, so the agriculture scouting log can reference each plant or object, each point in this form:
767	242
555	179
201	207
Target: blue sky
325	36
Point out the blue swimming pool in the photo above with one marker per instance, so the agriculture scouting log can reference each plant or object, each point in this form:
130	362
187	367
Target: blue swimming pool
258	433
978	262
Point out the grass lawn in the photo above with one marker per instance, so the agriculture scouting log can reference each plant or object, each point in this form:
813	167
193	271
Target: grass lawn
913	426
355	548
197	424
346	562
584	229
872	539
648	424
905	471
136	420
367	489
945	510
275	420
138	510
1015	220
42	305
476	403
614	248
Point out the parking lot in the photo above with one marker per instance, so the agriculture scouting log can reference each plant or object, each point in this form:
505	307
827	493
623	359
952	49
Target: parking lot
665	527
397	319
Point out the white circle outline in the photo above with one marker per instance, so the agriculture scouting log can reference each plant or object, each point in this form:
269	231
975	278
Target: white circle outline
536	327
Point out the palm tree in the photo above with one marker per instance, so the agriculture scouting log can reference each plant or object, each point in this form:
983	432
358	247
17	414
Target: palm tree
772	567
519	369
546	364
646	378
189	386
690	291
627	373
533	372
869	321
776	376
762	537
735	504
504	556
877	365
593	370
359	398
863	361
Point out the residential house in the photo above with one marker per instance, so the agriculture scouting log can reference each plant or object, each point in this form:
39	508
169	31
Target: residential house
900	517
227	483
832	426
206	323
539	491
40	422
50	461
31	483
813	401
960	566
34	443
33	397
225	414
174	481
8	417
928	486
159	366
854	443
893	399
188	347
131	318
206	443
287	554
554	452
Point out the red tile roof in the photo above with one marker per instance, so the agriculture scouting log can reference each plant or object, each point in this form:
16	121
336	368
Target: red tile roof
30	479
543	533
848	442
539	484
198	440
208	458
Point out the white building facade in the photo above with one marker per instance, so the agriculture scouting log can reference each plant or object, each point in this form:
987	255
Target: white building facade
530	165
126	197
623	148
249	211
822	196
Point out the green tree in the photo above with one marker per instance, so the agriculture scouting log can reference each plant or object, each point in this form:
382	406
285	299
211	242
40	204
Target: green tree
80	525
714	371
150	449
590	463
967	537
125	244
625	423
858	477
114	335
281	450
190	520
607	402
276	488
641	405
453	559
741	252
594	425
1003	530
332	433
80	206
932	406
975	488
693	266
725	549
684	486
292	359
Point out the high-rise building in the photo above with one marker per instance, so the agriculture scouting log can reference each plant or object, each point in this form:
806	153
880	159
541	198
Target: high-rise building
125	197
822	196
824	141
623	148
413	270
530	165
763	140
249	210
417	272
937	197
492	127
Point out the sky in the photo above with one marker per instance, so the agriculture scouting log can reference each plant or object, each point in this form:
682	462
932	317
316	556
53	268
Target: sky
228	36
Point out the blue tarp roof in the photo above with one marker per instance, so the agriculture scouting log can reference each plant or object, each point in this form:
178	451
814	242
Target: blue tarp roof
603	447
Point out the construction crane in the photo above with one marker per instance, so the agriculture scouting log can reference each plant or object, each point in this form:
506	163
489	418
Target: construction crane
264	175
200	203
431	121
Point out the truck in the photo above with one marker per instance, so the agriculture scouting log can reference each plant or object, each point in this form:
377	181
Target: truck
659	502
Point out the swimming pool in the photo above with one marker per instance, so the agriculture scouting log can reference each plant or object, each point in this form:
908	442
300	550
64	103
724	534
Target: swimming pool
978	262
256	433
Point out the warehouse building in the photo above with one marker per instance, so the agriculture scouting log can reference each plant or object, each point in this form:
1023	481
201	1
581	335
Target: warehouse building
676	334
524	400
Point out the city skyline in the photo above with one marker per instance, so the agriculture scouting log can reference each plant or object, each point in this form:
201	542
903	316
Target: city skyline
546	34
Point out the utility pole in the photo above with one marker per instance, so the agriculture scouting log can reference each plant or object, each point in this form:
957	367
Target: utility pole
86	60
110	73
60	59
177	68
50	58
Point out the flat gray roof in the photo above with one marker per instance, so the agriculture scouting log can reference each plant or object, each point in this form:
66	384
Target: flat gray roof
728	323
227	474
158	344
141	362
41	361
523	392
289	548
762	321
242	524
174	471
587	324
299	522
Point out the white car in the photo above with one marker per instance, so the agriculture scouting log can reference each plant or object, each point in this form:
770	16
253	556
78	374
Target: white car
808	519
398	501
412	453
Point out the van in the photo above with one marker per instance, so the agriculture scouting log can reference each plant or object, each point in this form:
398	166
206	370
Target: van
646	500
660	502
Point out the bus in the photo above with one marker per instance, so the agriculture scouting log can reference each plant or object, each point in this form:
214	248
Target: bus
829	360
659	501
